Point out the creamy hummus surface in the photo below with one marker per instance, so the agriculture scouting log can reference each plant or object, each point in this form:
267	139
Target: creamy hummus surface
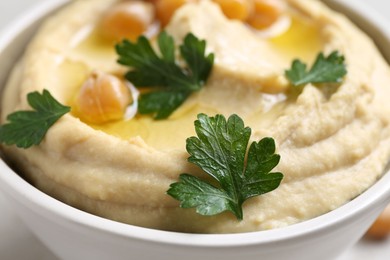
334	140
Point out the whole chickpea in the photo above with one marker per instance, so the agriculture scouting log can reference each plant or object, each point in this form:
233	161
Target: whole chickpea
102	98
128	19
381	227
236	9
266	13
166	8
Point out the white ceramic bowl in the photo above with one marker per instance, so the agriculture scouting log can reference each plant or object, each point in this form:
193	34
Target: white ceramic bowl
74	234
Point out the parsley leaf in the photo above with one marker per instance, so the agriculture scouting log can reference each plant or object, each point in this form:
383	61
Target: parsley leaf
28	128
329	69
220	150
171	84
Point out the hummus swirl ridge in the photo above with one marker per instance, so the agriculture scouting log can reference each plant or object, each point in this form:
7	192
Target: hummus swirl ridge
334	141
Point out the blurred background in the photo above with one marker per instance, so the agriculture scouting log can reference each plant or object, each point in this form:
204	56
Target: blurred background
17	243
11	9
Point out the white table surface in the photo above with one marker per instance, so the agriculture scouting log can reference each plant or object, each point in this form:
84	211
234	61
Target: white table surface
18	243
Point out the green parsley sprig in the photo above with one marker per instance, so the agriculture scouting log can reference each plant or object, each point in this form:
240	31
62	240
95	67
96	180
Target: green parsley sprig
330	69
172	83
220	150
28	128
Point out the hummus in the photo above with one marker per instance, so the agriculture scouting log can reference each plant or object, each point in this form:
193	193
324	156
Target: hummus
334	141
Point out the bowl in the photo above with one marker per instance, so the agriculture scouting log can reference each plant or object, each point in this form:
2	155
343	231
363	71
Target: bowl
73	234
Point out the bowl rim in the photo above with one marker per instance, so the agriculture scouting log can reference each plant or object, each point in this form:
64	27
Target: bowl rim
39	202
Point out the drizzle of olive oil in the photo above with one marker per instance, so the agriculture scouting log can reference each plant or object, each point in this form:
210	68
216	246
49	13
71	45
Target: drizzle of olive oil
70	75
302	40
96	46
163	134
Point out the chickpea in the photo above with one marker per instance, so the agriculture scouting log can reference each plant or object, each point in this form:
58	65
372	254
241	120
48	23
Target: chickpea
236	9
102	98
381	227
128	19
166	8
266	13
